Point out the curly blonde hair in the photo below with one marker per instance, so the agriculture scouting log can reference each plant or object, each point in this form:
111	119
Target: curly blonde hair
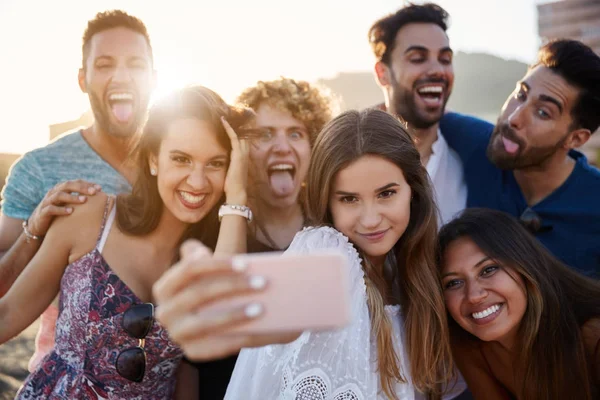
307	103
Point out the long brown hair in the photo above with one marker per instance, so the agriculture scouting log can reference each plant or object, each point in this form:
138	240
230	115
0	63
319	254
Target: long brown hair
139	212
346	138
559	302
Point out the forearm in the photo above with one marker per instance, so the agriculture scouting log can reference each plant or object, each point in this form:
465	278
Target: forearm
232	235
14	261
233	230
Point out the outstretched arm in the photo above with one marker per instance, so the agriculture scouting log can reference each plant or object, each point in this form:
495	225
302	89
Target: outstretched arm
39	283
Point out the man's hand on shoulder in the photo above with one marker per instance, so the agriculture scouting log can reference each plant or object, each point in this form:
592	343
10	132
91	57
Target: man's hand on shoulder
59	201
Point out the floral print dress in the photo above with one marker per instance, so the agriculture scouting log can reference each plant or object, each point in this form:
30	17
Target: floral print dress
89	337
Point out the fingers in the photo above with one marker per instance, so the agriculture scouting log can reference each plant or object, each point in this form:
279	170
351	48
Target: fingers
196	261
230	132
193	246
204	324
207	290
77	186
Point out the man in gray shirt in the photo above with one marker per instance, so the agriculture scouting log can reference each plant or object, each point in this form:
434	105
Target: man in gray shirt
118	76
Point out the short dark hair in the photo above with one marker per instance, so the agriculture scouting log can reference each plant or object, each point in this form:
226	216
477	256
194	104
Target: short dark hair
382	34
108	20
580	67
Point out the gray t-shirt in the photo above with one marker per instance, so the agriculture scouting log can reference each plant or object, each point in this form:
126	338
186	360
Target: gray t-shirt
67	158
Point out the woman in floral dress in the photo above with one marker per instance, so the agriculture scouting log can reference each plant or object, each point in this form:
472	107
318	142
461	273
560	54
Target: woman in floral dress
104	258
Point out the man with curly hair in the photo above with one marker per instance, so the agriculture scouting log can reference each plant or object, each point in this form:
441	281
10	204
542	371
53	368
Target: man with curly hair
289	115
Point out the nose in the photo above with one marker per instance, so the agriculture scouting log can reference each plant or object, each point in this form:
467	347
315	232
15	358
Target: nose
197	179
436	69
476	293
516	116
121	74
370	217
281	144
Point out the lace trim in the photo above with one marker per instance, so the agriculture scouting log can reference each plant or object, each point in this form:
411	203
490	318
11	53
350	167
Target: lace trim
314	384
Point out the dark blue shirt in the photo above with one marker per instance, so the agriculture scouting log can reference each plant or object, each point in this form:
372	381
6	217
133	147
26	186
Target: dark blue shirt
570	215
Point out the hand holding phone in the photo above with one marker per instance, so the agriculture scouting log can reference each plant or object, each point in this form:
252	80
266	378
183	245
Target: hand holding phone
303	292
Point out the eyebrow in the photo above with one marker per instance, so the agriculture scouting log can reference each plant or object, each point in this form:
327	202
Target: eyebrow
183	153
111	58
384	187
544	97
484	259
274	128
423	48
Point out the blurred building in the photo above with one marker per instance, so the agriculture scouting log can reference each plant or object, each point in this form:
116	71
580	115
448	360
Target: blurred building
574	19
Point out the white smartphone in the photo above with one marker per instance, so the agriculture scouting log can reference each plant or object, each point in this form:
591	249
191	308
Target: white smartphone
304	292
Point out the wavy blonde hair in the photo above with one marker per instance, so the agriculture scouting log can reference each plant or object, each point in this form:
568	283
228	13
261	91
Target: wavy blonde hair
309	104
345	139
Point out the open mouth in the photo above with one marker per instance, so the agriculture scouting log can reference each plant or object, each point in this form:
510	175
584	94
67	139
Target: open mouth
281	178
432	94
121	105
191	200
509	146
487	314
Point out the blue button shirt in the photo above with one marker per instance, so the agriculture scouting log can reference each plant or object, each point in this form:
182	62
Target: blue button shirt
570	215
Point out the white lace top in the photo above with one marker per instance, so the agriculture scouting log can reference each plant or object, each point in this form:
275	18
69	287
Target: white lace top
333	365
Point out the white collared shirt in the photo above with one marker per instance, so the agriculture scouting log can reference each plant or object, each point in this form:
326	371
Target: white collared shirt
446	172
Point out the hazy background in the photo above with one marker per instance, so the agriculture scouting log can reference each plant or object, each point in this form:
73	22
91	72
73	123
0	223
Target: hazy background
232	44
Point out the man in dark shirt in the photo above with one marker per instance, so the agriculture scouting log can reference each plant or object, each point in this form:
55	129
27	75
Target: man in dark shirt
526	165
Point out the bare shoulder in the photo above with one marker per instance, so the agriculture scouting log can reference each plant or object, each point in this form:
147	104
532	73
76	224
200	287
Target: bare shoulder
82	226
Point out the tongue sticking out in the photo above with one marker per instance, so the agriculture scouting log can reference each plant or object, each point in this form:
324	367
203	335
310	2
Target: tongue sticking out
122	111
282	183
510	146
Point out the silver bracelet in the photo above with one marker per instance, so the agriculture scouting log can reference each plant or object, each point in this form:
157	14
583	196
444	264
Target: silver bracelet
30	236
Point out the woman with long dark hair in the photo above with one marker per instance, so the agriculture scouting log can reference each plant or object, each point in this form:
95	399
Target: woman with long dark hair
523	325
105	257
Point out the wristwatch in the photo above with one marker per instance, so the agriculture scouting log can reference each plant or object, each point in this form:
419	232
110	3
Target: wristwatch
233	209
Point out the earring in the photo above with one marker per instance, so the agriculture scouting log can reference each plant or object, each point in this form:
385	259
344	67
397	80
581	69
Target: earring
152	172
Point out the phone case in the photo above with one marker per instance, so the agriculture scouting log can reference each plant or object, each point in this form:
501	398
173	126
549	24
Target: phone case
304	292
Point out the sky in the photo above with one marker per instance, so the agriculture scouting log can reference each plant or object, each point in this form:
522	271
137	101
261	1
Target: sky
225	45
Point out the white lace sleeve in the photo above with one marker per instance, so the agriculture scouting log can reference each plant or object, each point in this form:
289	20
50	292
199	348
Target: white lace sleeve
333	365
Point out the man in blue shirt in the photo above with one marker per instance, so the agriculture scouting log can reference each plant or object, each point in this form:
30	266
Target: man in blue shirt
526	165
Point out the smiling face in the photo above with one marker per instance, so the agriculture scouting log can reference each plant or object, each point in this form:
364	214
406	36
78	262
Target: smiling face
191	167
118	78
370	204
485	298
280	158
420	75
535	121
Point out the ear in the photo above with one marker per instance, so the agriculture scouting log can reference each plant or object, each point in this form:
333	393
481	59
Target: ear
81	79
577	138
382	73
153	163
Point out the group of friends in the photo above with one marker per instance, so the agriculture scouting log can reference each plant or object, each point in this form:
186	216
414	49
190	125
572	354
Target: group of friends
473	248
